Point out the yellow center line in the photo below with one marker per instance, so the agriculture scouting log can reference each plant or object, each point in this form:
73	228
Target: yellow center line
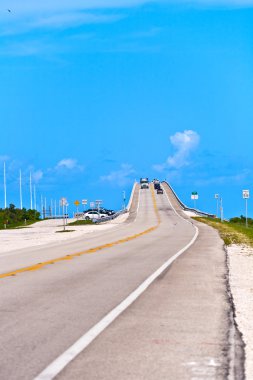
90	250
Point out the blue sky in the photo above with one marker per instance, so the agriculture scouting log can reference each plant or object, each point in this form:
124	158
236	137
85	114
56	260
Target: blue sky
95	95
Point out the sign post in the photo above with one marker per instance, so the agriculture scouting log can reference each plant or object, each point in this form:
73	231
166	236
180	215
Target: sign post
98	203
194	197
245	195
63	203
84	203
76	203
216	196
221	210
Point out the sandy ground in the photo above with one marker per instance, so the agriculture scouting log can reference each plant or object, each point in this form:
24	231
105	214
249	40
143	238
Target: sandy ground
241	282
44	232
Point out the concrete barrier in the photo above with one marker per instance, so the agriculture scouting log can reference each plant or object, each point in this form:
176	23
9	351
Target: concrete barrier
186	208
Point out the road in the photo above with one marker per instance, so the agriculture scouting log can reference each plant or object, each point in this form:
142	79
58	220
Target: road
179	328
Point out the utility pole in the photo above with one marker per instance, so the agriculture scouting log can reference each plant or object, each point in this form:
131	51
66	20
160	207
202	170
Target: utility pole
221	210
5	199
245	195
216	196
31	195
41	206
34	197
20	189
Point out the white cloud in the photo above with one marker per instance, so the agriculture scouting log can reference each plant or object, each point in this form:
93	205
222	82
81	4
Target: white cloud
184	143
37	175
47	14
67	163
120	177
225	179
28	7
64	20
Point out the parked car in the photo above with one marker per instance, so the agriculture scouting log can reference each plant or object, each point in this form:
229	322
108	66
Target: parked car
94	215
101	210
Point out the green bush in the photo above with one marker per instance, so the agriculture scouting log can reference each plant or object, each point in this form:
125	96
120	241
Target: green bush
14	217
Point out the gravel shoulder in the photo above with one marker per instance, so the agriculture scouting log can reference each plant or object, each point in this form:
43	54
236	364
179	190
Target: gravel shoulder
240	261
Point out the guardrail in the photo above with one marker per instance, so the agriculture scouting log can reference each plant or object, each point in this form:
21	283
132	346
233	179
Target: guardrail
121	211
131	196
118	213
186	208
110	217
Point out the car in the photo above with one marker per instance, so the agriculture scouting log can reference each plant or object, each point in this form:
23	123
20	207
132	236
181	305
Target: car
101	210
94	215
144	186
159	191
156	184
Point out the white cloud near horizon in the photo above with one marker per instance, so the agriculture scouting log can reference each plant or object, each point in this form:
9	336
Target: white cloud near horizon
31	6
37	175
225	179
29	14
120	177
184	143
4	158
67	163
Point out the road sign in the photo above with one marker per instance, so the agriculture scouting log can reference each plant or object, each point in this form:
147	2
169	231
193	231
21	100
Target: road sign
77	203
245	194
99	202
194	195
84	202
92	204
63	202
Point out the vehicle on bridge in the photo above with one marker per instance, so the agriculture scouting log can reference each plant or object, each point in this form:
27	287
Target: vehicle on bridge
144	183
159	191
157	184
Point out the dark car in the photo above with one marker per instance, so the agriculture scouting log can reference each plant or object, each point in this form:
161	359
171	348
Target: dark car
159	191
156	184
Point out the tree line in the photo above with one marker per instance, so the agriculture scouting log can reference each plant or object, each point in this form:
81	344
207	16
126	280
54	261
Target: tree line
11	216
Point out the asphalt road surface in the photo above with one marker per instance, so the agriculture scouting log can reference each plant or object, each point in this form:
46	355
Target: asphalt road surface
181	327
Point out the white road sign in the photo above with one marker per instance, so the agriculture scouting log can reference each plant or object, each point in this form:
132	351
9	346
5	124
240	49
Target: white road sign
63	201
194	195
245	194
84	201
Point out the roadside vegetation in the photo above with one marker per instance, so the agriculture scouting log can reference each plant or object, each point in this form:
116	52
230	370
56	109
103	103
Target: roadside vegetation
13	217
233	231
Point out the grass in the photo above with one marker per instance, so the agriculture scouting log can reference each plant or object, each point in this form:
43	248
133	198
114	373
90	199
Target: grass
80	222
18	225
231	233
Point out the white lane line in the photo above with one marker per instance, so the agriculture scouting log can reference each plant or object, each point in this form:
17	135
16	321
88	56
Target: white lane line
181	217
63	360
